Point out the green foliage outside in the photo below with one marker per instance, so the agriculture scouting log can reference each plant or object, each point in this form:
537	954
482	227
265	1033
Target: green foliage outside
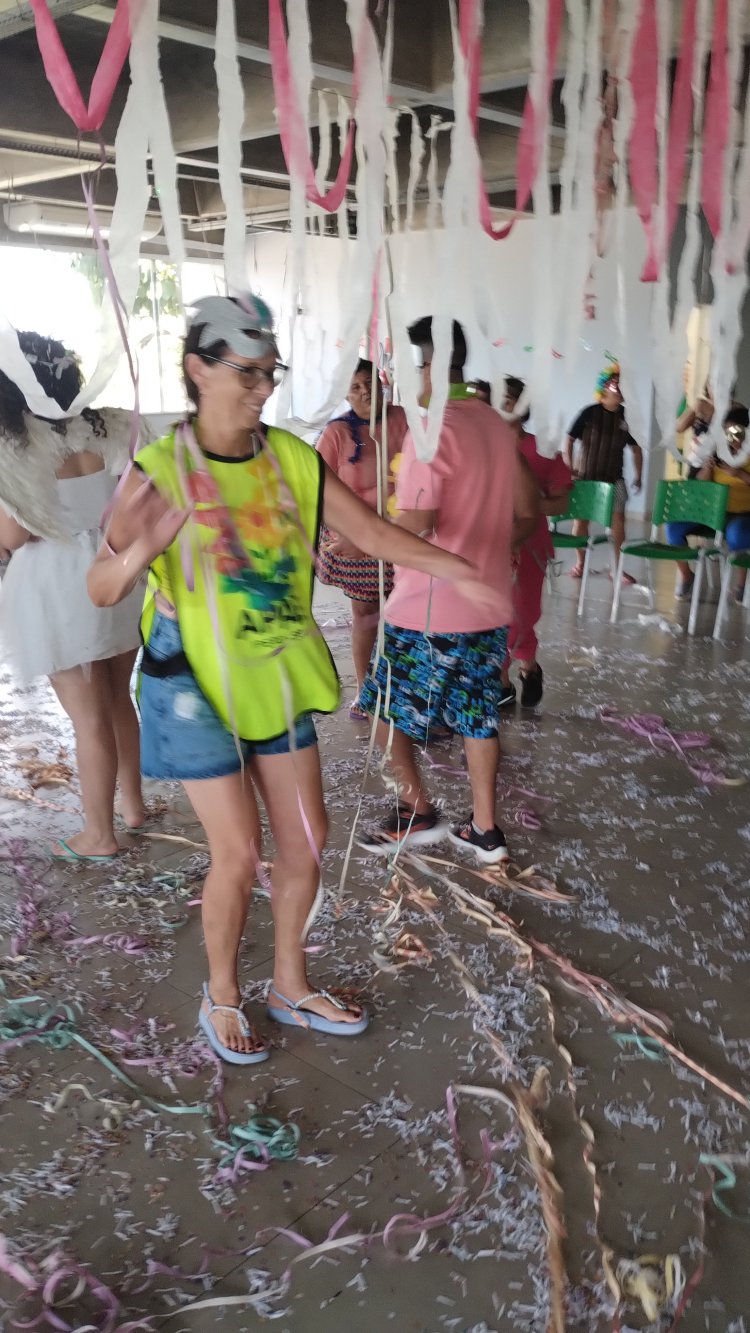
164	276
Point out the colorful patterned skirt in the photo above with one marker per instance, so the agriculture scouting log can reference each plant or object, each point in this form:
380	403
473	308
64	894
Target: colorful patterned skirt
357	579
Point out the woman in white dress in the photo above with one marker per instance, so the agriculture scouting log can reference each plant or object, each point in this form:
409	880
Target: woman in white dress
56	480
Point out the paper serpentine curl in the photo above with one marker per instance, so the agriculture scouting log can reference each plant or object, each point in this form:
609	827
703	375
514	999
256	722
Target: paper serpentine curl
245	324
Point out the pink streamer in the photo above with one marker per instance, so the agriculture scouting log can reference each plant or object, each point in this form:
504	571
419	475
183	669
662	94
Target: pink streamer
651	727
63	81
535	119
292	121
680	118
644	74
716	129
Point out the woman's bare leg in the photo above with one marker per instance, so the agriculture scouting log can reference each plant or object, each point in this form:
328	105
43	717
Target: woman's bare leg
127	739
364	633
84	693
295	875
227	810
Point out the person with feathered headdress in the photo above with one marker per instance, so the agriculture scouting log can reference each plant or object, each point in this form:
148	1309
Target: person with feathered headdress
599	436
56	480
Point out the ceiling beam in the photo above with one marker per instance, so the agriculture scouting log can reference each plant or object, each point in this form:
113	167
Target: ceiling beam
193	35
21	16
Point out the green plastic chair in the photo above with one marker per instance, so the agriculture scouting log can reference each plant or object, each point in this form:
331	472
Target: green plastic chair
703	502
595	502
738	560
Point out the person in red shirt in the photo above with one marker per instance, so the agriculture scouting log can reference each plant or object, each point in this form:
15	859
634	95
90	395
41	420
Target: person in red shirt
554	480
352	453
444	645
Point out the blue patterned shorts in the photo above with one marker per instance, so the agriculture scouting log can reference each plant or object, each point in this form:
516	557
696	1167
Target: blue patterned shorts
438	680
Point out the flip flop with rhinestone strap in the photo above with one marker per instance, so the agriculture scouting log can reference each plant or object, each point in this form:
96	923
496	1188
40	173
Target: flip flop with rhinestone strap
295	1016
225	1052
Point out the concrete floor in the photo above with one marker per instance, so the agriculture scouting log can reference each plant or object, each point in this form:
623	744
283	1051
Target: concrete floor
658	863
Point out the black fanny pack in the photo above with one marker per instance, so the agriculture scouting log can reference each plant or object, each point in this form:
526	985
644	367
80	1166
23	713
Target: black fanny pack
161	667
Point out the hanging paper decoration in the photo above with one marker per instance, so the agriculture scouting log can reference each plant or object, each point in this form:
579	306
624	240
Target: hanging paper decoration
716	132
62	80
535	123
293	114
644	73
231	96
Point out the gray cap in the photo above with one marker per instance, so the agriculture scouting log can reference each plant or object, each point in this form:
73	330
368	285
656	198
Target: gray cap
244	323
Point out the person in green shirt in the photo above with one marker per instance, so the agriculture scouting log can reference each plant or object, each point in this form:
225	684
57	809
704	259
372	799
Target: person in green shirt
224	513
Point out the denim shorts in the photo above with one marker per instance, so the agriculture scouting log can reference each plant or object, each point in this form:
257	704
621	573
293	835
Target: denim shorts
182	738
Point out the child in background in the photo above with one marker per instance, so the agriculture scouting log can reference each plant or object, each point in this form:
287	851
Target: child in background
554	480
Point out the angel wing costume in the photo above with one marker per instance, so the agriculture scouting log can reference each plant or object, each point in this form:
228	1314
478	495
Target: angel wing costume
47	620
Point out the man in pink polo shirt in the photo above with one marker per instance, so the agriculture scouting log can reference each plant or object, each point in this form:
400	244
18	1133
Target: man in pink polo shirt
445	644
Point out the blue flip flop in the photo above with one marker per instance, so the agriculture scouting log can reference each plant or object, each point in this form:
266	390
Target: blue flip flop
225	1052
70	854
295	1016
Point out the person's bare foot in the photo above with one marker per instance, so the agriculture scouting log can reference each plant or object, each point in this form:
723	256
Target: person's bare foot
87	844
228	1026
316	1004
133	813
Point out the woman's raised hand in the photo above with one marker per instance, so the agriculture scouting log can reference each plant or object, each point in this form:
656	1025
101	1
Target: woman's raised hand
148	518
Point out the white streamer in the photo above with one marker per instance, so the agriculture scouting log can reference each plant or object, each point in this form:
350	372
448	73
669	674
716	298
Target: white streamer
126	226
623	122
543	282
577	263
667	394
676	336
160	134
231	120
729	286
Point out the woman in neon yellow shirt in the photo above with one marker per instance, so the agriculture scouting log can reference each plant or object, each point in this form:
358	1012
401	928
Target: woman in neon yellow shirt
226	521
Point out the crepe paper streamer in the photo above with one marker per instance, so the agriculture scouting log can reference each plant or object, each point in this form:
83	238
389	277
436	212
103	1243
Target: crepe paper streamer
526	1103
401	1225
292	110
646	1046
31	1018
669	374
577	259
58	69
651	727
658	1284
115	1110
58	1281
724	1181
729	282
536	109
163	160
643	145
717	127
507	875
261	1139
131	147
680	118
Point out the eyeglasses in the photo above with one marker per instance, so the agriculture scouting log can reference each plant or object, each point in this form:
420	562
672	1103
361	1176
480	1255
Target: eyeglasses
252	375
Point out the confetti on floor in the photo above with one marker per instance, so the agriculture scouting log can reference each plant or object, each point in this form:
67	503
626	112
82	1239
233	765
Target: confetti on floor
498	1152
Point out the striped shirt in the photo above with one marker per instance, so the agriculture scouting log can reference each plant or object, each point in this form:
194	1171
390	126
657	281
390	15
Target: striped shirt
603	437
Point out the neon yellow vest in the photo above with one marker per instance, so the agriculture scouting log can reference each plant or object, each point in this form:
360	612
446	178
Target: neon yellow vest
247	627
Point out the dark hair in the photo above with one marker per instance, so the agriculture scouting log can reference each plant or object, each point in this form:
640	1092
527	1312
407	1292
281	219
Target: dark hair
363	367
192	345
57	371
514	387
420	334
737	416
